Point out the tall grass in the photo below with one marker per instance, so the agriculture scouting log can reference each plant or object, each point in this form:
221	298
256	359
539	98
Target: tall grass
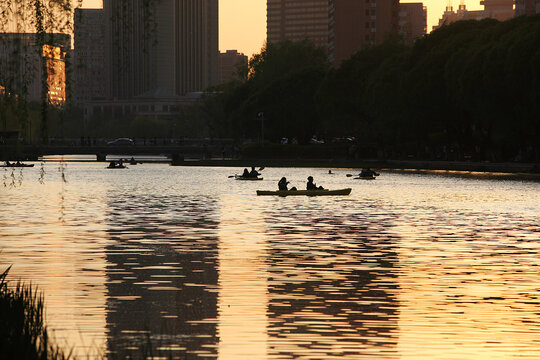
23	334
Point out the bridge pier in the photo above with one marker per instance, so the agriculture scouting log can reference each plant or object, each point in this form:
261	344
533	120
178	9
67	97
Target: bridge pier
101	157
177	159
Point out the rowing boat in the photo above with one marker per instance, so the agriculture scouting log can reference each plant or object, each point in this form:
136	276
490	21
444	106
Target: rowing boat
324	192
240	177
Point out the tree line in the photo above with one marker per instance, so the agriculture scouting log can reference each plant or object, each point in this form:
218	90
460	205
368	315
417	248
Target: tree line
469	90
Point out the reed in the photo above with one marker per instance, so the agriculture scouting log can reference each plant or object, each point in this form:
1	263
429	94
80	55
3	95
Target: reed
23	333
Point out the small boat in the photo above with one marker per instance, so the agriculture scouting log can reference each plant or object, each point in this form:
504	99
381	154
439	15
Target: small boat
364	178
18	165
116	165
324	192
240	177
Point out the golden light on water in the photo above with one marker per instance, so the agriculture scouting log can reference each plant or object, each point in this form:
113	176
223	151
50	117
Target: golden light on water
406	267
243	288
462	298
50	253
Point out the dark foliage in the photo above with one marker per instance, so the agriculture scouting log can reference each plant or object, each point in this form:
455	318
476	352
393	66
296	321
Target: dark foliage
467	90
23	334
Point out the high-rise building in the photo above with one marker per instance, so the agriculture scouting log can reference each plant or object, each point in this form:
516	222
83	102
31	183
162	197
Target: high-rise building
498	9
412	23
229	62
354	24
166	44
23	62
298	20
88	56
527	7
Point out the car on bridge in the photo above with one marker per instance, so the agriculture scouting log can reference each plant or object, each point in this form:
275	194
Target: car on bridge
121	142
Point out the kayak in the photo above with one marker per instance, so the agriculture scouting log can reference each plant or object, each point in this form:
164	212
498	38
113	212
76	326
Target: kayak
116	167
240	177
365	178
305	192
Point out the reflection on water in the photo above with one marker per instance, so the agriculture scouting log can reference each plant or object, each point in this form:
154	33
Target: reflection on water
12	177
161	276
184	263
332	284
474	275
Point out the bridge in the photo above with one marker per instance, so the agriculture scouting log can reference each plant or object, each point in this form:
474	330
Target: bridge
174	151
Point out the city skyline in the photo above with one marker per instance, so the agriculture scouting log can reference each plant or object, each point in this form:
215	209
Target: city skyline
242	23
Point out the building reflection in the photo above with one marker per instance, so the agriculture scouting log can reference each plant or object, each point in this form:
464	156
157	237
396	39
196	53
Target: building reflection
332	286
162	277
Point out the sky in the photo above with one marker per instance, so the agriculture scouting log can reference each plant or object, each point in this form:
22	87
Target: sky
242	23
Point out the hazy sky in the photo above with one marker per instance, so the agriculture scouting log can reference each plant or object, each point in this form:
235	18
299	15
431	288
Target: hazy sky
243	22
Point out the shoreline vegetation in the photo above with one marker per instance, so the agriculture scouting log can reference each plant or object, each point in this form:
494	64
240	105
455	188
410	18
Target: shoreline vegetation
23	333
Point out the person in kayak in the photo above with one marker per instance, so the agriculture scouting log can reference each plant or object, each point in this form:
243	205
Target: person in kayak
368	173
282	185
311	186
245	173
254	173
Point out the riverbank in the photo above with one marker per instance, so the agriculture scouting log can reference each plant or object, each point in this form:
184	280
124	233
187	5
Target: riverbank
23	333
503	171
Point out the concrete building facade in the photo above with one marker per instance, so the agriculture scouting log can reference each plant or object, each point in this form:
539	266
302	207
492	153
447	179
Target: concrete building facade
228	65
354	24
170	44
498	9
88	55
527	7
412	22
298	20
23	62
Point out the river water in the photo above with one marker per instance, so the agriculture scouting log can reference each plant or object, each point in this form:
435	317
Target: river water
165	262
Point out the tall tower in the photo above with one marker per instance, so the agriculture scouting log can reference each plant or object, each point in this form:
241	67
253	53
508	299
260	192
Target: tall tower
88	59
412	21
196	44
354	24
167	44
527	7
498	9
298	20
